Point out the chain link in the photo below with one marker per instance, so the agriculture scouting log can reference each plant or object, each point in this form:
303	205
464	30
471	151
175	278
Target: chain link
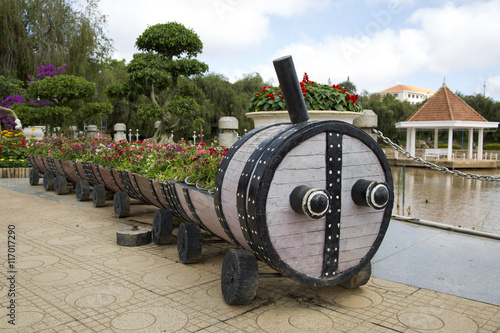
455	173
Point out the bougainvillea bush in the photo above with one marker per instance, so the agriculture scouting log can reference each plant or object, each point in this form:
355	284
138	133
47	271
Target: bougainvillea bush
198	163
13	150
316	96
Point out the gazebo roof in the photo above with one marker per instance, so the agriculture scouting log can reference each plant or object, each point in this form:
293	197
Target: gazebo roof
444	105
444	110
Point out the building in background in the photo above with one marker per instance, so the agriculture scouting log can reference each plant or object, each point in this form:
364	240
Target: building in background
411	94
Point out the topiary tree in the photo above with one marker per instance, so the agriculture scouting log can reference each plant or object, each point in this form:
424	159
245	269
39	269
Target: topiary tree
154	83
59	101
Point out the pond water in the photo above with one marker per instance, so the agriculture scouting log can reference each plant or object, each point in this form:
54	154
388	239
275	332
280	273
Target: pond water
434	196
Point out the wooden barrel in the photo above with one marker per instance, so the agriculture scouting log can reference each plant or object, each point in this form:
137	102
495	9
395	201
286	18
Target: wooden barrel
253	199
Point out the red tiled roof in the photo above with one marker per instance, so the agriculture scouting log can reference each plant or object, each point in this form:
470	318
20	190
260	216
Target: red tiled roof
444	105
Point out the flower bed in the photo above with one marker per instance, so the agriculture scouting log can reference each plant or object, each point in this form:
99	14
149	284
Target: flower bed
160	162
316	96
13	150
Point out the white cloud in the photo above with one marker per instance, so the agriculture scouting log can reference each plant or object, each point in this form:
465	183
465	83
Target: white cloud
444	39
224	26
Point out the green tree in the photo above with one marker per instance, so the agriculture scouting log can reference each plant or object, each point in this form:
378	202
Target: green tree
351	88
155	81
35	33
389	111
487	107
69	103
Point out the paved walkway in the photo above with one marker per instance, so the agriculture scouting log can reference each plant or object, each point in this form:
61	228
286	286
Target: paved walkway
70	276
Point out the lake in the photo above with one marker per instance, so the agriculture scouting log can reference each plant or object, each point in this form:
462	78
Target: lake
434	196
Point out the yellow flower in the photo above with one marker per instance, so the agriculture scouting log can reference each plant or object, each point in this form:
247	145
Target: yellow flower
33	128
1	159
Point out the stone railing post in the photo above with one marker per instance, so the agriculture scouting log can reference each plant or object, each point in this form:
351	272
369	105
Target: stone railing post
228	134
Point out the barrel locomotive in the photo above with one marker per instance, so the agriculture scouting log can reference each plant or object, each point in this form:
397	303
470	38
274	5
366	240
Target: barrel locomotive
311	199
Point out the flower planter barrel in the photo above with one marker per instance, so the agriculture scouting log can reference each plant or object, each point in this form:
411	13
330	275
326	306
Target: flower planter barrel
312	199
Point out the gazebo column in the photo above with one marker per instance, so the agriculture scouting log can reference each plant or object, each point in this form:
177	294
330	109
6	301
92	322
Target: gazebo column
450	143
410	140
436	138
471	142
480	145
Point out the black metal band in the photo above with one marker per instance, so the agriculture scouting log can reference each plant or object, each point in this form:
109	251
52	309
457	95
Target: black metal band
220	178
191	207
89	173
165	191
333	161
52	165
137	189
125	179
176	202
155	195
62	170
256	158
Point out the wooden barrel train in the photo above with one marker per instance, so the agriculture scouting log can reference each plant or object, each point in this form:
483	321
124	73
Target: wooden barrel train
312	200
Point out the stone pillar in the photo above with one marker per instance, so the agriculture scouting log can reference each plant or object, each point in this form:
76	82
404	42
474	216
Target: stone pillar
436	138
227	131
413	139
119	129
367	121
92	131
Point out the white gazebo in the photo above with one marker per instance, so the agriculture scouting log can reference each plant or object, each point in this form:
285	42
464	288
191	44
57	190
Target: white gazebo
446	111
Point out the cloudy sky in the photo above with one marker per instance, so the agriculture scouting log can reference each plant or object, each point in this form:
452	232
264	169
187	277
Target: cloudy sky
376	43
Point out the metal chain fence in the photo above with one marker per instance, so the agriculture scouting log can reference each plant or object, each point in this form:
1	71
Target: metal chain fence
433	166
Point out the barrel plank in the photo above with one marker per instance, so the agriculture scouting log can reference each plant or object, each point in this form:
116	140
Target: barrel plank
204	207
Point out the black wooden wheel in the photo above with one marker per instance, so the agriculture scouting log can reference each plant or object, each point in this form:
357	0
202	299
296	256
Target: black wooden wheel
122	204
189	243
162	227
48	181
360	279
60	185
239	277
98	195
82	190
34	177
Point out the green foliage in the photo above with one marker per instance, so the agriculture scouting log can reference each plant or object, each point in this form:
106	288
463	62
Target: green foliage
316	96
389	111
10	87
488	108
35	33
349	86
62	89
70	98
492	146
170	40
156	78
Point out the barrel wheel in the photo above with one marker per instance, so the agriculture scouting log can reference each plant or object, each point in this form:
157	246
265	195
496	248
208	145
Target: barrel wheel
122	204
48	181
360	279
239	277
162	227
82	190
34	177
98	195
189	243
60	185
